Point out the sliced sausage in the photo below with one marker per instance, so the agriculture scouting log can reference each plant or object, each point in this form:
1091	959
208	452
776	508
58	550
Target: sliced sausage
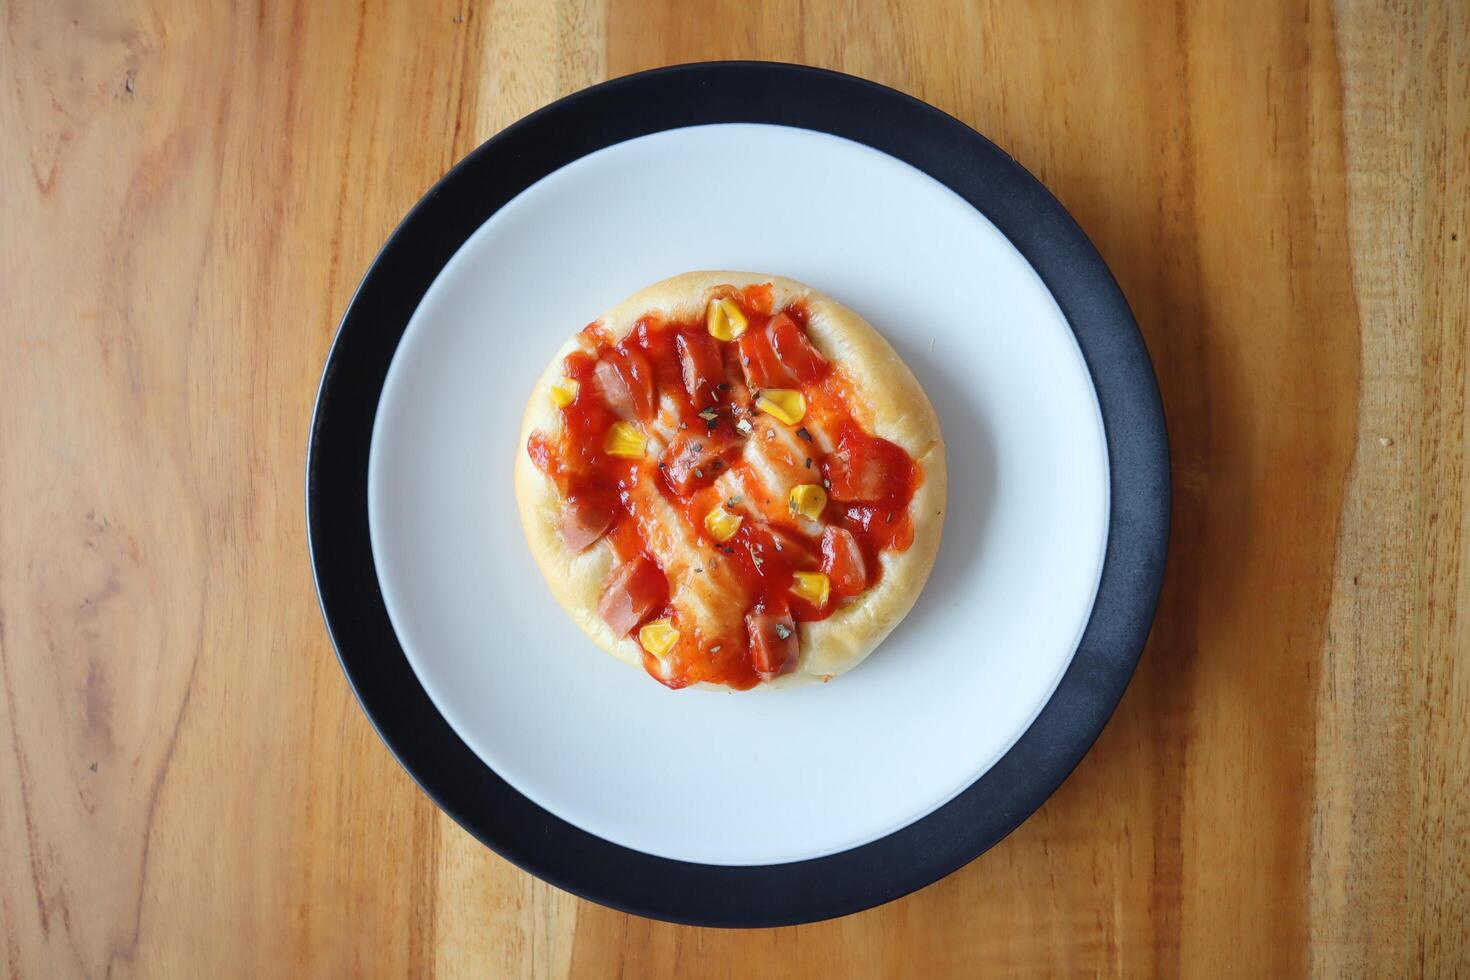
843	561
696	458
763	369
774	647
625	382
585	518
702	366
635	590
793	350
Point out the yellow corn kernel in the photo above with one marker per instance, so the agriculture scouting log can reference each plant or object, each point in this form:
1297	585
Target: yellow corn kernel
786	404
658	637
564	391
624	440
721	524
724	319
814	587
807	499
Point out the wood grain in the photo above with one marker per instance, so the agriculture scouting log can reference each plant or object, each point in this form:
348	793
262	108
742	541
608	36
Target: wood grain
189	193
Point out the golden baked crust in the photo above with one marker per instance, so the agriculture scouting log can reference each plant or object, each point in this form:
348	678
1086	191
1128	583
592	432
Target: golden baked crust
891	404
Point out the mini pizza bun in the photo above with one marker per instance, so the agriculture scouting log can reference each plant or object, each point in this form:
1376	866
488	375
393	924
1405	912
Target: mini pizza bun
890	403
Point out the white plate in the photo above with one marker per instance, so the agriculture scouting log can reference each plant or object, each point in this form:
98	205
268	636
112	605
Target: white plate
761	777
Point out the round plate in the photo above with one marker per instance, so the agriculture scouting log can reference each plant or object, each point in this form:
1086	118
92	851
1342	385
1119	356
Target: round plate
766	807
702	775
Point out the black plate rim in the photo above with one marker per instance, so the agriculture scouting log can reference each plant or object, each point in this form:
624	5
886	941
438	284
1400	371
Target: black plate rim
463	785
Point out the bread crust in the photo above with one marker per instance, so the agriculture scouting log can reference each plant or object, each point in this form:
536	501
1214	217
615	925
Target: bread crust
890	403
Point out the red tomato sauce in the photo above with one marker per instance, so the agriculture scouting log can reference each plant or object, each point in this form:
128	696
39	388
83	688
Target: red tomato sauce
869	481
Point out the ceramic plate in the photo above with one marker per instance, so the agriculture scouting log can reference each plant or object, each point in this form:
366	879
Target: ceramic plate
769	806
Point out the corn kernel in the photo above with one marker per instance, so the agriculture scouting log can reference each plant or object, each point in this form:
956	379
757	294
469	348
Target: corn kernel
814	587
658	637
624	440
807	499
785	404
724	319
564	391
721	524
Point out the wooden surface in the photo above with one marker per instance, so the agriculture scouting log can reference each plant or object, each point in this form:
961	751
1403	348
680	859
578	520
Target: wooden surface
190	191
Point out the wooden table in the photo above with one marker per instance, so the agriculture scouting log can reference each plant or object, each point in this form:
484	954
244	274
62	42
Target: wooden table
189	193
